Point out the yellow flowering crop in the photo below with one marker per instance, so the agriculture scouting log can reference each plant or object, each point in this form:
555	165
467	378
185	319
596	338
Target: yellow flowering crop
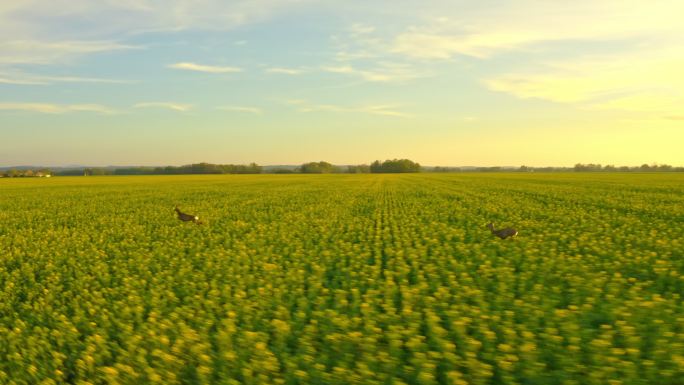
343	279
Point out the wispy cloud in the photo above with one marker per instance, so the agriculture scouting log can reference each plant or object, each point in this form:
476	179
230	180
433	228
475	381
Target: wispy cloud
47	108
384	110
204	68
20	81
60	32
165	105
427	45
430	46
484	32
339	69
364	54
22	78
382	73
648	81
358	42
91	108
119	18
361	29
284	71
643	102
14	52
250	110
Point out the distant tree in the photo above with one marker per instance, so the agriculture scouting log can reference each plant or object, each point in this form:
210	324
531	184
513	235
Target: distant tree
587	167
135	171
317	168
97	171
172	170
489	169
395	166
69	172
612	168
203	168
443	169
196	168
358	169
254	168
45	171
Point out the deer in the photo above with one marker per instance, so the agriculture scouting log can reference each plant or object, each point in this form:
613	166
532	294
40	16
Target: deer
187	217
502	233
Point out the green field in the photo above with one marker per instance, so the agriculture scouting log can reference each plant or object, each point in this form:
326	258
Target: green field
343	279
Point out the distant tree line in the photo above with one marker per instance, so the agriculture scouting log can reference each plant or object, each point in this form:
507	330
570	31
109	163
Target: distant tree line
318	168
208	168
321	167
388	166
579	167
197	168
394	166
28	173
469	169
327	168
611	168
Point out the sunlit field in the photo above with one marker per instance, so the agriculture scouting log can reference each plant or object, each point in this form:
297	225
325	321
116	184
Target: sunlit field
343	279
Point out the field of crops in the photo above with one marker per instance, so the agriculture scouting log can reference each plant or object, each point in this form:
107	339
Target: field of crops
343	279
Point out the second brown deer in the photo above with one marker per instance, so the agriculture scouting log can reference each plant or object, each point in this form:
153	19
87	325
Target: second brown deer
502	233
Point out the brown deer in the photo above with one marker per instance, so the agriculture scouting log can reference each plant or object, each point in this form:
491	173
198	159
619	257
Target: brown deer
187	217
503	233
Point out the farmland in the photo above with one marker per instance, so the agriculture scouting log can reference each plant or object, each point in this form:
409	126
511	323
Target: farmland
343	279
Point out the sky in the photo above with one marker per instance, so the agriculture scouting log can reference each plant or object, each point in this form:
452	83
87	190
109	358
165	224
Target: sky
444	83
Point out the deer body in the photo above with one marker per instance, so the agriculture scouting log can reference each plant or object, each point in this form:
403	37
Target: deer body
503	233
187	217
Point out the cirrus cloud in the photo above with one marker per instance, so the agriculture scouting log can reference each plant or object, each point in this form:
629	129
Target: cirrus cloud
484	32
165	105
284	71
373	109
19	52
188	66
648	82
251	110
48	108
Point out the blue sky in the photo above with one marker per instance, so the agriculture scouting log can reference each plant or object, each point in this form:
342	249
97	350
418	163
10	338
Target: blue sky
284	82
